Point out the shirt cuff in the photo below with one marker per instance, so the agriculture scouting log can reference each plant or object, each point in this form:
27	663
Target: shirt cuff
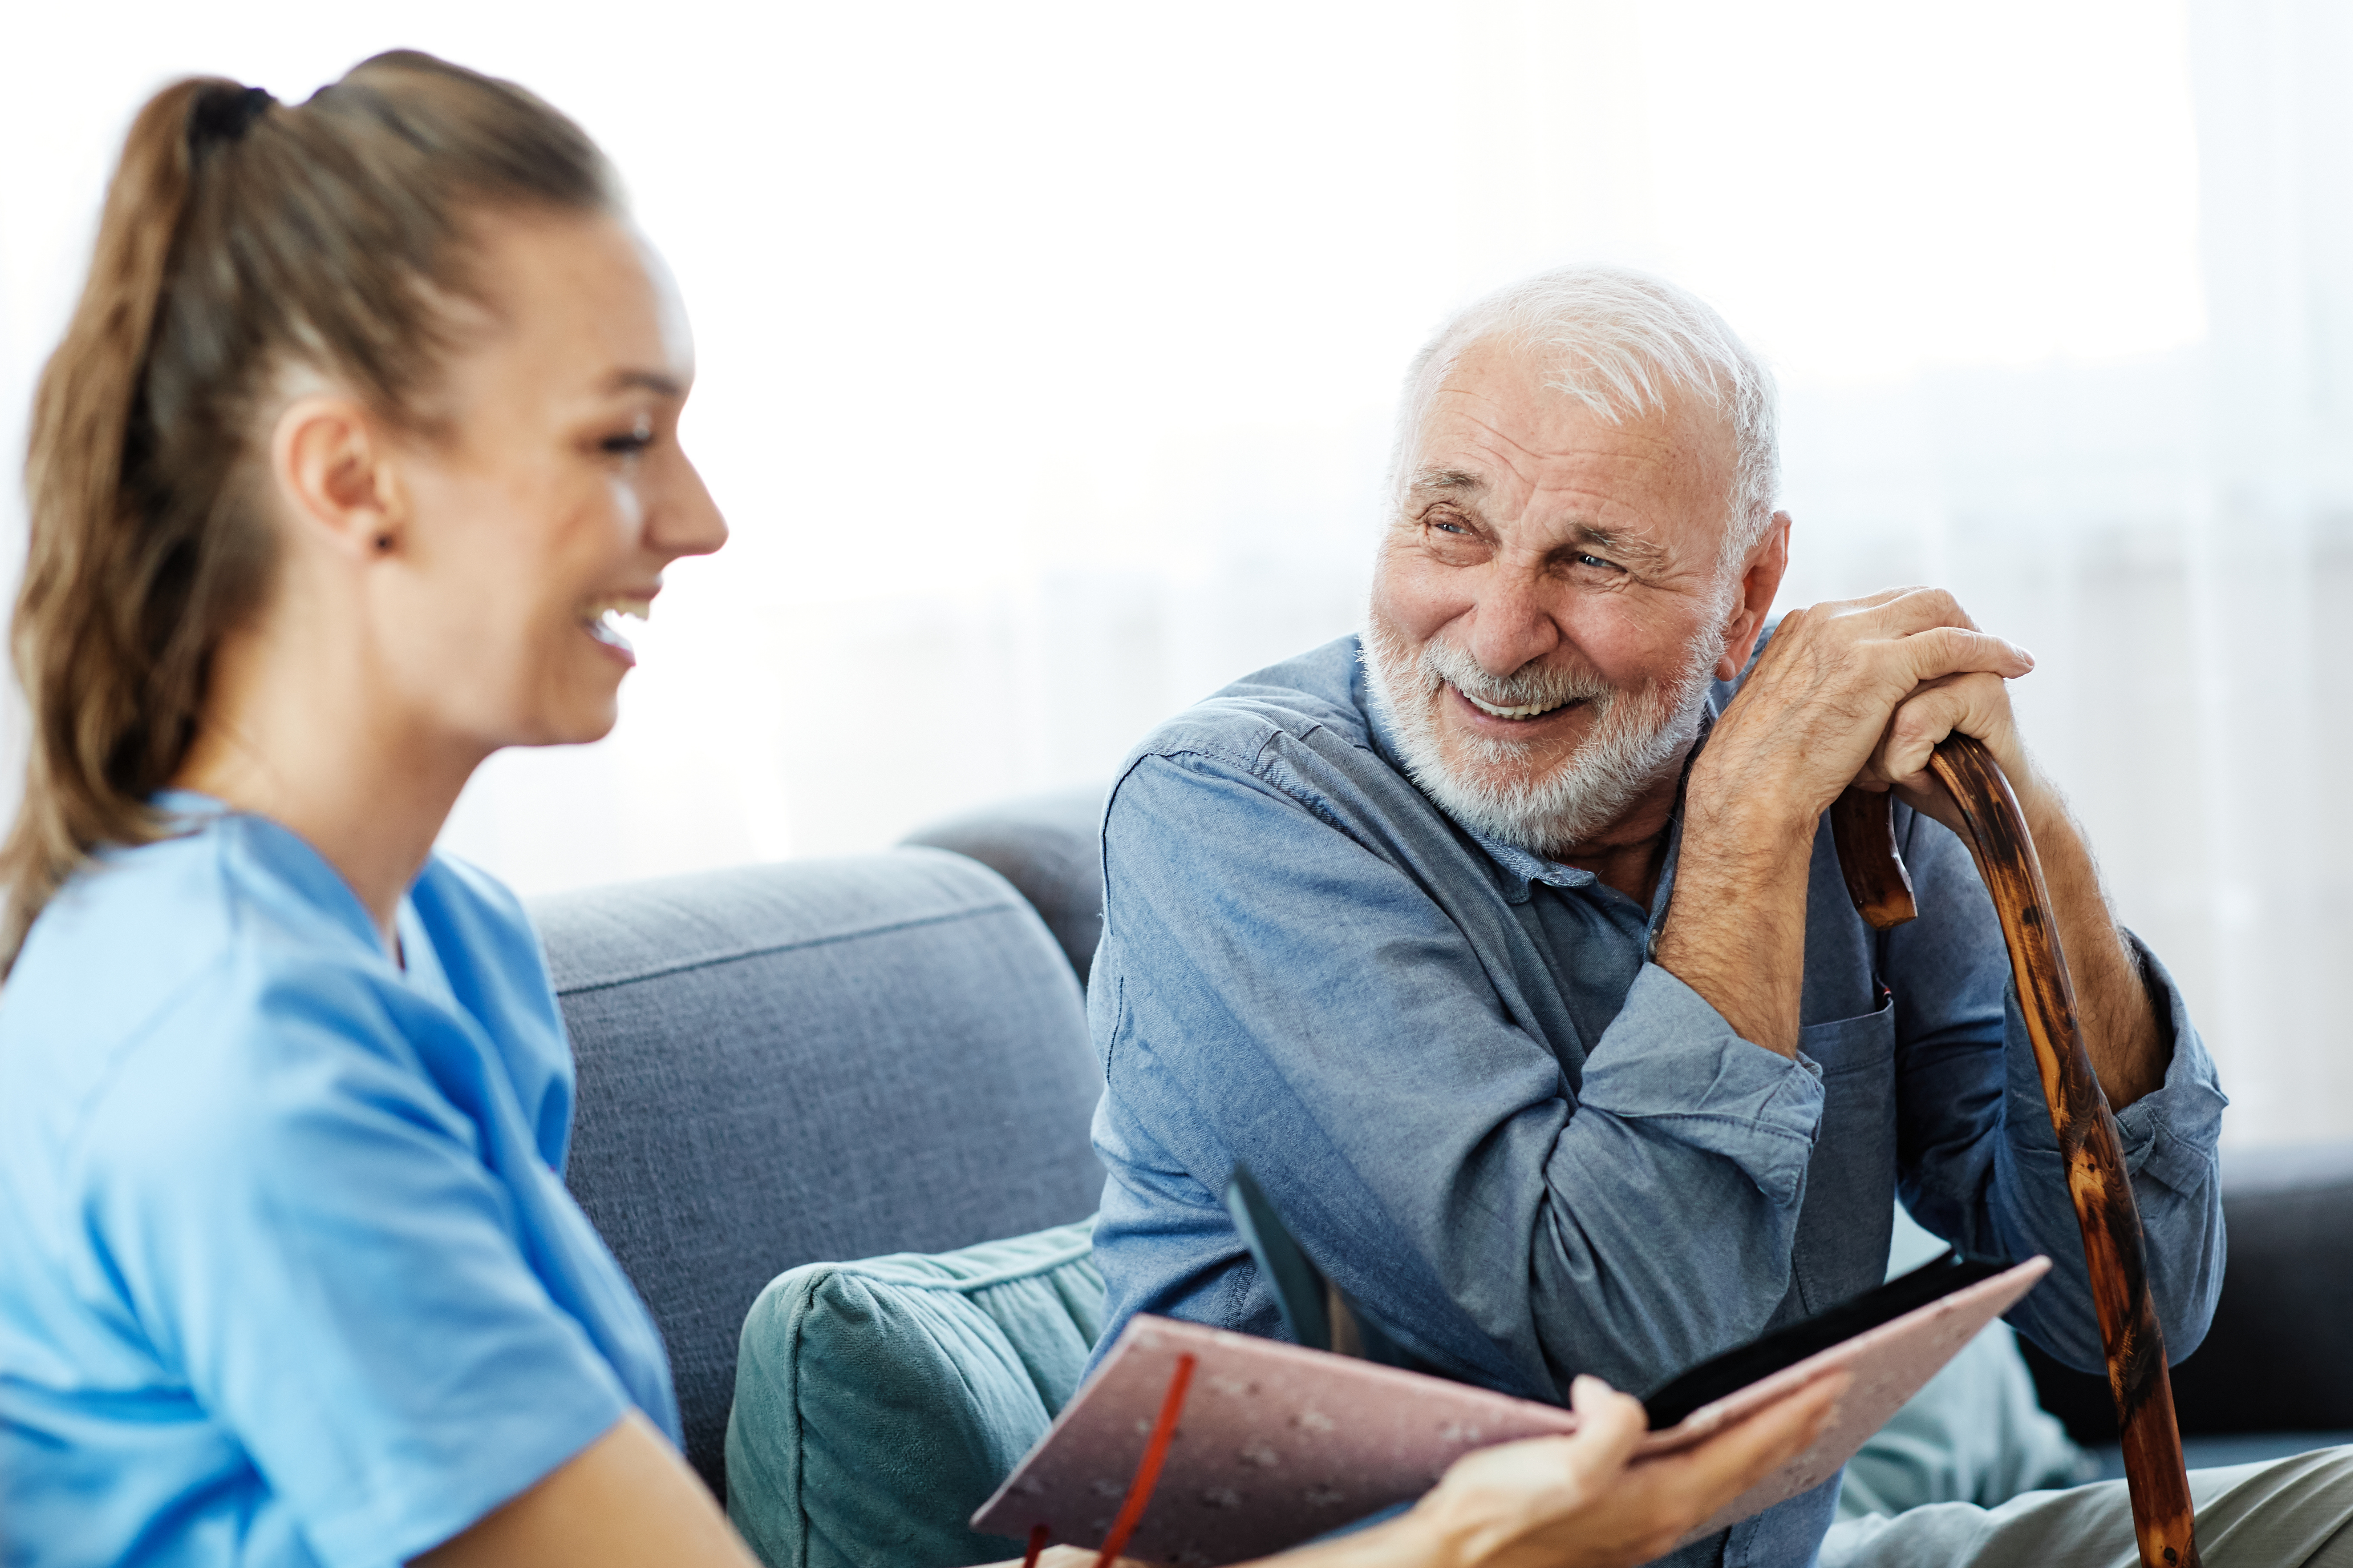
1669	1057
2172	1132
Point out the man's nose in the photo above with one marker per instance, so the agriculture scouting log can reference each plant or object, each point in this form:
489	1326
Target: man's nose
1511	623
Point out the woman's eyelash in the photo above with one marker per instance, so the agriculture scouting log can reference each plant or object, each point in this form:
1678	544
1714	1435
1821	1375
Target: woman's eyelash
640	437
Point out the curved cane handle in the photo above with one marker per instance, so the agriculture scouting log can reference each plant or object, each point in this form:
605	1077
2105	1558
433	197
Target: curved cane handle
1863	826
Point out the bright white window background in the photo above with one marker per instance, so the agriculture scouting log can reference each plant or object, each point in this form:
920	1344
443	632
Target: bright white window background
1047	355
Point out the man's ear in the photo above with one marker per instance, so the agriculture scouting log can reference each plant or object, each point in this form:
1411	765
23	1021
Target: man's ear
1760	579
331	465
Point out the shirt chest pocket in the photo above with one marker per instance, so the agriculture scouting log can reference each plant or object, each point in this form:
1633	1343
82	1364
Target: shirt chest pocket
1843	1229
1844	1047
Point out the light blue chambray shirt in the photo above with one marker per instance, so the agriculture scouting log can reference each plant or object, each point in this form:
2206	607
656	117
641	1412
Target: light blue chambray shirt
1515	1140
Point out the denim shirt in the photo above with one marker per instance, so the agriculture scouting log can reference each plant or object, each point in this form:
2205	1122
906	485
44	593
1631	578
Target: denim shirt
1521	1144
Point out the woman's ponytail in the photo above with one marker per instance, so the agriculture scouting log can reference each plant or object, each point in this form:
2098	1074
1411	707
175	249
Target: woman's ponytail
82	682
238	239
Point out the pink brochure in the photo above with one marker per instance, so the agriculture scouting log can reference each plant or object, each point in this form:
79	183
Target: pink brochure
1276	1444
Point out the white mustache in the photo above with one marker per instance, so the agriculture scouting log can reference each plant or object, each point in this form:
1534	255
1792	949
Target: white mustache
1531	686
1492	786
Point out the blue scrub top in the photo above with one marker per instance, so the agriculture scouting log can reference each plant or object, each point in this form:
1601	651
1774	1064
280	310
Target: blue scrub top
288	1270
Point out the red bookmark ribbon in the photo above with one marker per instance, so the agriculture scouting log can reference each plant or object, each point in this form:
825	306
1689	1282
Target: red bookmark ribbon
1147	1474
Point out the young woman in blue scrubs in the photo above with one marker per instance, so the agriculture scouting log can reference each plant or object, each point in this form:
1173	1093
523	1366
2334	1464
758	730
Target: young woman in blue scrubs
359	451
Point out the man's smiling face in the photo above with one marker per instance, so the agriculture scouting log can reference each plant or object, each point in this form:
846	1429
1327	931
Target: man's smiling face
1550	599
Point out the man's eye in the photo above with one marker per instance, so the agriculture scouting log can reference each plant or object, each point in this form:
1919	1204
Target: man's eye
1453	539
1585	560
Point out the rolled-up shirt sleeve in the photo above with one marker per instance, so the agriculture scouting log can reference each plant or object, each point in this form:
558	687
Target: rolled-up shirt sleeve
1979	1160
1310	1011
1682	1129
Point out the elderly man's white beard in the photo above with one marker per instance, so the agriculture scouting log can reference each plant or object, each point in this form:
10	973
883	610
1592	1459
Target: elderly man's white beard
1635	736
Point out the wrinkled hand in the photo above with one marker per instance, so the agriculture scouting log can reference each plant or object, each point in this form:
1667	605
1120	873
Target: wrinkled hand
1853	692
1860	692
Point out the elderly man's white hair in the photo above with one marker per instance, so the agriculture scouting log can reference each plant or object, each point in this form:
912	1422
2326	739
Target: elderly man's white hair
1624	343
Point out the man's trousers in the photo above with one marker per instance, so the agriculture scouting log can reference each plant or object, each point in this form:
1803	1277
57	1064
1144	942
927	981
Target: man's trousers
2286	1513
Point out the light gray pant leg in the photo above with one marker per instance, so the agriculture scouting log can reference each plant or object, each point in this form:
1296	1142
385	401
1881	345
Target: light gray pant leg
2287	1513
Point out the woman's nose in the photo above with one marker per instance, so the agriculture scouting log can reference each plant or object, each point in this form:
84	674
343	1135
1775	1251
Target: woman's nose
686	521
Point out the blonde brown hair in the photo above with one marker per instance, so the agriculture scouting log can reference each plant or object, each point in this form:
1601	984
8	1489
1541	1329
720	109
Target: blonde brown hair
239	239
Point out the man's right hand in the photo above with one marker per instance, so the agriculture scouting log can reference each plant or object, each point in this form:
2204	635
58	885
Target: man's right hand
1807	723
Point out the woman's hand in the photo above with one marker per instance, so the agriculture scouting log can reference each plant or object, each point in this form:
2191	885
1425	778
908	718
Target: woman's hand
1576	1502
1569	1502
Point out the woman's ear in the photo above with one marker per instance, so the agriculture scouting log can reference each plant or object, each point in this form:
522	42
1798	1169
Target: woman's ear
337	475
1760	579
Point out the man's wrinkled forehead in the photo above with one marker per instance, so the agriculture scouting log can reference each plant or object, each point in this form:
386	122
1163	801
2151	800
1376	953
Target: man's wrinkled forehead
1495	435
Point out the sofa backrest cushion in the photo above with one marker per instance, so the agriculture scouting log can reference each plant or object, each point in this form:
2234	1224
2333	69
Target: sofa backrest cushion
878	1403
816	1059
1050	847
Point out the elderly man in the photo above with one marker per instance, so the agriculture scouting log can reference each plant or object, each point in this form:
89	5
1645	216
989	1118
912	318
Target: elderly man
1508	947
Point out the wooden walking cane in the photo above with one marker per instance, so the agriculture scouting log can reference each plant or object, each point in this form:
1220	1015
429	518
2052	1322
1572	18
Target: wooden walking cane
1862	824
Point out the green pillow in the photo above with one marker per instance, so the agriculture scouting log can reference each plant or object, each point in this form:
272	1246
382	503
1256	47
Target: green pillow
1975	1434
878	1403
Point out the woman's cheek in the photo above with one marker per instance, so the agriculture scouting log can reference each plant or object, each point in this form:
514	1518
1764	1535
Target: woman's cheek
629	507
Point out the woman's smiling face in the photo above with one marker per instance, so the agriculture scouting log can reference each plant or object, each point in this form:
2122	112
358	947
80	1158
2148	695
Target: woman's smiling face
541	513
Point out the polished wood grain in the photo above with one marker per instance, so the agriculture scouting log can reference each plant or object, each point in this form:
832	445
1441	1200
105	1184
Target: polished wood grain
1862	824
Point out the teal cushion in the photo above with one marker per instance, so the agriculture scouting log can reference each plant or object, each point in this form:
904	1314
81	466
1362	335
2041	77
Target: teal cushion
878	1403
1974	1434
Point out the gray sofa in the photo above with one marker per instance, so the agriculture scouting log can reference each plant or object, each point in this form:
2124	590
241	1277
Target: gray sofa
1047	847
2275	1374
817	1060
830	1060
